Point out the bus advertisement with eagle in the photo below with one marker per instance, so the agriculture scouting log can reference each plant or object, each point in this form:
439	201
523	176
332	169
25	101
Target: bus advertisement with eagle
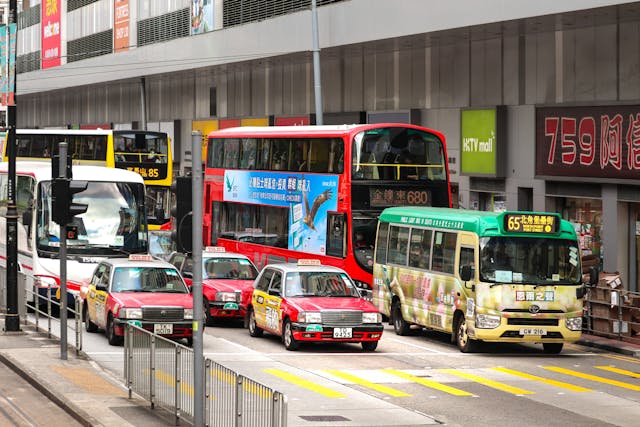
283	193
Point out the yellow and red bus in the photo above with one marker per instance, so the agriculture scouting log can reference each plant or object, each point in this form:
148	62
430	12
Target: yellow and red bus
145	152
285	193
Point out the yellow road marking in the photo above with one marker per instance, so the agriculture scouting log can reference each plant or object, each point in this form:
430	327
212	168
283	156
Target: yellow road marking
620	357
489	383
592	377
620	371
542	380
306	384
88	380
361	381
429	383
167	378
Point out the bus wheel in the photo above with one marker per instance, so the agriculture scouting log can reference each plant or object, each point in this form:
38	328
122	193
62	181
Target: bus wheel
399	324
88	324
111	332
369	346
254	330
552	347
465	344
290	342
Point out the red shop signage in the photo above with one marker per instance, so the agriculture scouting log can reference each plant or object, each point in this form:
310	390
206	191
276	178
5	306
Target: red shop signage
600	142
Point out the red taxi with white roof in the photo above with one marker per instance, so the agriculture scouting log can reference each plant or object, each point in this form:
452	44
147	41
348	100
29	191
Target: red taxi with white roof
227	281
311	302
141	290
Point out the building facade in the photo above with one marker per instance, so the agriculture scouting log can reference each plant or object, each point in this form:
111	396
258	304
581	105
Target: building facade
539	101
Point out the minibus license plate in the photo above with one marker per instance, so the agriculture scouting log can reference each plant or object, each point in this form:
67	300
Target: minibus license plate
342	332
163	328
533	331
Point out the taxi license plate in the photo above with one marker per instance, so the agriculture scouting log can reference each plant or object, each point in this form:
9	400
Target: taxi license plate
163	328
533	331
342	332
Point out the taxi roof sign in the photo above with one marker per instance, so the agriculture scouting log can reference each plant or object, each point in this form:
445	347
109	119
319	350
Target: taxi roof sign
140	257
215	249
312	262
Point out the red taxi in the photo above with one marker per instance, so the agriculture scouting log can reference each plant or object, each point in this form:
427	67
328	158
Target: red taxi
227	281
310	302
146	292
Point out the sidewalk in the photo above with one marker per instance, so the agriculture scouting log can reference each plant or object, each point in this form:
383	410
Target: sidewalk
95	397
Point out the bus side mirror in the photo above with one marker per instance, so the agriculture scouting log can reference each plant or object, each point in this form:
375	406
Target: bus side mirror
466	273
593	276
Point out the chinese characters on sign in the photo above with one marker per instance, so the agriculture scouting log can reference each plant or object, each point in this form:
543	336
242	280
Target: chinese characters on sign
602	142
121	25
534	296
50	36
530	223
391	197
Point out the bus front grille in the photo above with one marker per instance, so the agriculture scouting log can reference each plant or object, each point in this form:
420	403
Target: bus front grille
162	314
527	321
341	318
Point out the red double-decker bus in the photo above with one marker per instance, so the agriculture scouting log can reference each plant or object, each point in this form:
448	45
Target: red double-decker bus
284	193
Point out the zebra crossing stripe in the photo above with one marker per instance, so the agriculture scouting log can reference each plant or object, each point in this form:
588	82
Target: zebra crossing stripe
542	380
365	383
487	382
592	377
620	371
623	358
428	383
309	385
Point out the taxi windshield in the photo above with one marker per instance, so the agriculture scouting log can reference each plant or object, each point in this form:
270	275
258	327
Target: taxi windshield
228	268
319	284
147	279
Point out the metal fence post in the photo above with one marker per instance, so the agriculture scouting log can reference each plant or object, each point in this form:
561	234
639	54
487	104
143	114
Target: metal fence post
152	373
178	382
36	305
49	311
78	316
239	384
207	387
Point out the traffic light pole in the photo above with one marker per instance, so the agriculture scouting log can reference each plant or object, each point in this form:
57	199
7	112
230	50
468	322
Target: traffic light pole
12	318
62	173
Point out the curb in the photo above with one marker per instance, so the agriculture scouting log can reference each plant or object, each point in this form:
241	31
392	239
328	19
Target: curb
78	414
618	348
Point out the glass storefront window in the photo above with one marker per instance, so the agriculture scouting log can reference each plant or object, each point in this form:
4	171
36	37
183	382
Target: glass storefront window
586	217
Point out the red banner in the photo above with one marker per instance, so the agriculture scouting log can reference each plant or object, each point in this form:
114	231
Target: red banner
292	121
50	24
120	25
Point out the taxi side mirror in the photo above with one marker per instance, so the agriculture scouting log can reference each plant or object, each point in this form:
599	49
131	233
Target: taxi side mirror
275	292
101	287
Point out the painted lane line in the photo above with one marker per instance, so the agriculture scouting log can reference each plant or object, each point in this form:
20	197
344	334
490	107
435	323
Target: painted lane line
429	383
487	382
592	378
619	371
309	385
361	381
543	380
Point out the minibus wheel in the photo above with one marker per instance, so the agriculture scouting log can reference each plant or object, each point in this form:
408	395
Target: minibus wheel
465	344
552	347
400	326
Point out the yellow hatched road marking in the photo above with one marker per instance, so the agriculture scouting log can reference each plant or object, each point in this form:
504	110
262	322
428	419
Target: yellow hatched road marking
361	381
428	383
620	357
592	377
619	371
306	384
542	380
489	383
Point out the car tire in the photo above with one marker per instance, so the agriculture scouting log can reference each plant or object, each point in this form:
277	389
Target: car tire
208	319
552	347
111	332
400	326
289	341
369	346
464	343
88	324
254	330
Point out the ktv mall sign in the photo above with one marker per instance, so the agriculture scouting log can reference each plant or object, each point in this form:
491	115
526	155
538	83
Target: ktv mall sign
50	36
596	142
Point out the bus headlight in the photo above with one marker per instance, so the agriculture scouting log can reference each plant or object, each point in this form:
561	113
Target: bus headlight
487	321
371	318
130	313
188	313
310	317
574	323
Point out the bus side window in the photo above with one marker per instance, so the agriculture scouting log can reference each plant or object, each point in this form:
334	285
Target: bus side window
398	245
381	244
444	250
467	257
420	249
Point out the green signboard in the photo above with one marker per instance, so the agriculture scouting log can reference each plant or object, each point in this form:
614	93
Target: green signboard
479	142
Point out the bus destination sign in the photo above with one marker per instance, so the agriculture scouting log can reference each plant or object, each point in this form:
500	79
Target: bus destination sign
531	223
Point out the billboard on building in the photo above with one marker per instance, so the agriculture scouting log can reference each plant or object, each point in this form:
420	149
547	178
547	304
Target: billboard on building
201	16
51	33
120	25
482	145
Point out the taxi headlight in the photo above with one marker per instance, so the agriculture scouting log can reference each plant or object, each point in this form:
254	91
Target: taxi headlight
226	296
371	318
130	313
487	321
574	323
310	317
188	313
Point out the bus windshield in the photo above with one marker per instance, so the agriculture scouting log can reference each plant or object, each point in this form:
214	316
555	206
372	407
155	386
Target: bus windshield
538	261
114	222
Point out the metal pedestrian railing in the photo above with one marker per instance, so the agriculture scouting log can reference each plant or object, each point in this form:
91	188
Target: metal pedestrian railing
161	371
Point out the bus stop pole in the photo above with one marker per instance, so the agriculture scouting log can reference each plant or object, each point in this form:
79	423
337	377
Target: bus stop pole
62	173
196	288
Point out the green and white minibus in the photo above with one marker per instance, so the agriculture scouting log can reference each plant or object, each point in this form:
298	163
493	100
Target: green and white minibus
481	276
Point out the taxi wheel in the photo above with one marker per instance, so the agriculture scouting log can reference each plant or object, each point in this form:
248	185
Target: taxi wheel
552	347
254	330
88	324
400	326
465	344
111	333
290	342
369	345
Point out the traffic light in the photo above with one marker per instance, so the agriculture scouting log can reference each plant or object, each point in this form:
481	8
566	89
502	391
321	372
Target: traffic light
63	207
181	212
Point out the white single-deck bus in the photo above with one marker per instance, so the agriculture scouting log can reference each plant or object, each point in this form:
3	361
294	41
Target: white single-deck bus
114	224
